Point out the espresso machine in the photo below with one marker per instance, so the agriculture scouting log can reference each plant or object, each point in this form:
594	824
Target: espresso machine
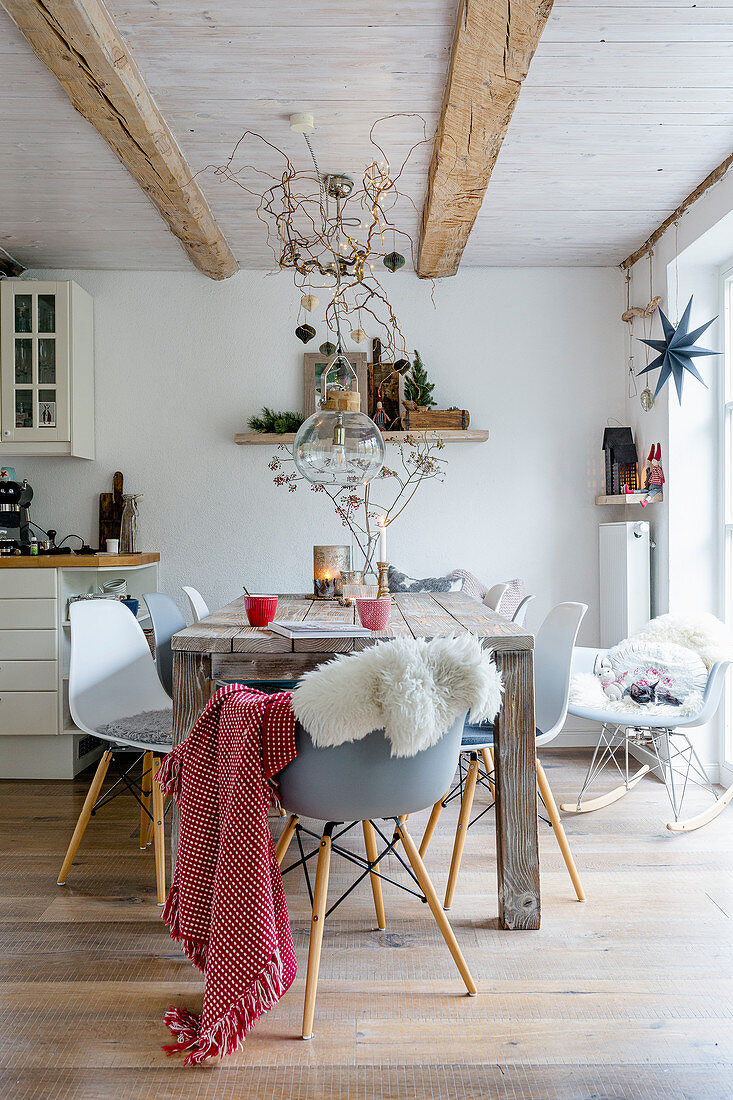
15	499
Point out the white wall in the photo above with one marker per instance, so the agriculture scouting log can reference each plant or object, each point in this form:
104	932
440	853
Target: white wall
181	362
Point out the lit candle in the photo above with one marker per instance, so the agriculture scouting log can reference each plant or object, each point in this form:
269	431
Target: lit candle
382	538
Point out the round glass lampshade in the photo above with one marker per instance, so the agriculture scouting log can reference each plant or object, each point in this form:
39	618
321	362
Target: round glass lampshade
338	448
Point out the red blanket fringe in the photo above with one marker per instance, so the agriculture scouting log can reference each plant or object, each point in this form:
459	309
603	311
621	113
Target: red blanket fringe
169	774
229	1032
195	950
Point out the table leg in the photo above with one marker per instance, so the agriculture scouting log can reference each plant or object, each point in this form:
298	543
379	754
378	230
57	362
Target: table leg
517	856
191	693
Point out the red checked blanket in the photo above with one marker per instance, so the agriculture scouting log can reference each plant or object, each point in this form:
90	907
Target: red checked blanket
226	904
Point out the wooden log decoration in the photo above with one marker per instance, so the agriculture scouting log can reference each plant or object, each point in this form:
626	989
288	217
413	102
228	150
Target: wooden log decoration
715	176
493	46
110	512
415	420
81	45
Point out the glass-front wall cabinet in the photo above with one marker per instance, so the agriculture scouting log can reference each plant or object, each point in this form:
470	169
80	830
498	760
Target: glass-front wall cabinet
45	351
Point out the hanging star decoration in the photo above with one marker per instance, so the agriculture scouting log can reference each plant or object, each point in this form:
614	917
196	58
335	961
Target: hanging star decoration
677	350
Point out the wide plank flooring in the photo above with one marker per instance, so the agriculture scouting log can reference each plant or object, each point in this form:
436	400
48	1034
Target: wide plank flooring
629	995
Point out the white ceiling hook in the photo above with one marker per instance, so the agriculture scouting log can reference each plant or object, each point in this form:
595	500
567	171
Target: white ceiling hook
302	123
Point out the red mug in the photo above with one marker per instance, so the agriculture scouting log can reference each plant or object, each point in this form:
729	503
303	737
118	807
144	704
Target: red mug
260	609
374	614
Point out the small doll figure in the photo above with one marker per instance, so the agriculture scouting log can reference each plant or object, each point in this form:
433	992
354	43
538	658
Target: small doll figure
655	476
380	417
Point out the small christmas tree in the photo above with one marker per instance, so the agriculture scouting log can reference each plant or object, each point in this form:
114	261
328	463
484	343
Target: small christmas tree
418	387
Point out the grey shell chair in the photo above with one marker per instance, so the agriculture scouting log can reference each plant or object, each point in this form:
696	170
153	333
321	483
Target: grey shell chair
361	782
167	620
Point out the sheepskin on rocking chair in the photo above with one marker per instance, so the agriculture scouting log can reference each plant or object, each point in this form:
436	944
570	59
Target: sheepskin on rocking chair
645	692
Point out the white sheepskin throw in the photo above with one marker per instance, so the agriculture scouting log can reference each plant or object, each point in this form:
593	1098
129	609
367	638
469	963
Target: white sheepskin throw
703	633
586	692
411	688
674	652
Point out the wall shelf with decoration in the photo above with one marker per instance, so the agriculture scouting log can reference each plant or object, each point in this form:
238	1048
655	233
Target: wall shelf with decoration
266	439
626	498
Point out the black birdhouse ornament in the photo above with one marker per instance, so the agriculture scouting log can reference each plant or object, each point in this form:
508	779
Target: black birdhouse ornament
622	461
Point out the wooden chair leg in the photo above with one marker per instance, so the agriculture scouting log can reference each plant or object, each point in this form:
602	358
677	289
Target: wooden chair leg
158	835
320	893
488	757
146	787
370	843
86	813
562	840
469	789
432	822
432	899
285	837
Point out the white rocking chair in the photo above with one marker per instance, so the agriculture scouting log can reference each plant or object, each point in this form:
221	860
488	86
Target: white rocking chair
664	747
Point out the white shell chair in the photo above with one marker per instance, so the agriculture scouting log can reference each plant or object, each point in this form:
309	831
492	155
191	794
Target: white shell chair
492	599
361	782
521	613
665	747
199	606
112	678
553	651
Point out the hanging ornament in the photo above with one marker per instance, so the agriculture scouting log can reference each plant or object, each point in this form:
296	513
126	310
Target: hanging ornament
628	317
646	398
305	333
402	366
327	348
309	302
677	350
358	335
393	261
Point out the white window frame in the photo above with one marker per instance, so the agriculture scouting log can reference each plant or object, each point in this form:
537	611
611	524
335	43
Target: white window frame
726	502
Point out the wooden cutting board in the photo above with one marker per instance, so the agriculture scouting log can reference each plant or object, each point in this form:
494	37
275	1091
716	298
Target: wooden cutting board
110	512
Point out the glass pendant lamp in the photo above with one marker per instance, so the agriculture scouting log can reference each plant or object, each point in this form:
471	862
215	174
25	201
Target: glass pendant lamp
339	444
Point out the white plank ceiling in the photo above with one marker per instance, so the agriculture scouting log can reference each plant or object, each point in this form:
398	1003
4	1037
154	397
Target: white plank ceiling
626	109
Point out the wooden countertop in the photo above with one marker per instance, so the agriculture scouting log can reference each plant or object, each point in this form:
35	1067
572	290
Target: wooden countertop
76	561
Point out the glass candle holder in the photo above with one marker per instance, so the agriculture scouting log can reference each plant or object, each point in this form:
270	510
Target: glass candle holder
328	564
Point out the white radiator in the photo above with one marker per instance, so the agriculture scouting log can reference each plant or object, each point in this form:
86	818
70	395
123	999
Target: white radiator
624	580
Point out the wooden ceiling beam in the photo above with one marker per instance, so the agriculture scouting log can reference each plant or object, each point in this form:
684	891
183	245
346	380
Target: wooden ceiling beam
493	46
715	176
81	45
10	268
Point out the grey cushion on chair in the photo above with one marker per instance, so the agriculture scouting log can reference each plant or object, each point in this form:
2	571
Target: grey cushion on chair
152	727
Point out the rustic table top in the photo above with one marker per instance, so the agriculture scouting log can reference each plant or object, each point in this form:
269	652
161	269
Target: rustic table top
419	615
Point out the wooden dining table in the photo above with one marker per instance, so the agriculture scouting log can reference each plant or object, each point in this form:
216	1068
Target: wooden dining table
223	647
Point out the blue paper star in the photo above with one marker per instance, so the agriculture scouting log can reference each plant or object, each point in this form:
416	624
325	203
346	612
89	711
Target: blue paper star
677	350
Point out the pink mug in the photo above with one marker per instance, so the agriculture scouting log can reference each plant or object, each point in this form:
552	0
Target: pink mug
374	614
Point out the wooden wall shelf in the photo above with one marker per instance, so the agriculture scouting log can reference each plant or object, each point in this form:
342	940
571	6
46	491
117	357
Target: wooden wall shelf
470	435
626	498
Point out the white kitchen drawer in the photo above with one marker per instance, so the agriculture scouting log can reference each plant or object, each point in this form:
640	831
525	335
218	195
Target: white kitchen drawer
24	712
27	645
28	676
24	583
27	614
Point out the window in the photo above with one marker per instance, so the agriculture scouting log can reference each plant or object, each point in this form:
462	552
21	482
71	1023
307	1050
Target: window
727	480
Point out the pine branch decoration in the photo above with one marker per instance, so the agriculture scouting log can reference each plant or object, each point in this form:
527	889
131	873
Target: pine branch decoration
275	423
418	387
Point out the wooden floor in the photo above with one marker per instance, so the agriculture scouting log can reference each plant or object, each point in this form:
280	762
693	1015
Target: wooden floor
629	995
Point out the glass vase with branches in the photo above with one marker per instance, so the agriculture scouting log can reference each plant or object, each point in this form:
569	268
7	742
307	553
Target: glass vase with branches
361	507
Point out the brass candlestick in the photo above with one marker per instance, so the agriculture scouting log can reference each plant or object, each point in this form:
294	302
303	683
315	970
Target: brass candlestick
383	567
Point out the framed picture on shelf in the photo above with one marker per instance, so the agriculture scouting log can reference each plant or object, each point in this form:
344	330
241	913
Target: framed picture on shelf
386	386
314	365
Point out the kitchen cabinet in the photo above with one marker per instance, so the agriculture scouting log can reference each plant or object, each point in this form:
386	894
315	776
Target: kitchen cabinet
46	369
38	738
